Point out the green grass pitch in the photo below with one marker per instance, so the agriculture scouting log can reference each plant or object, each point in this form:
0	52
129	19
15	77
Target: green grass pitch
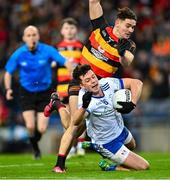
22	166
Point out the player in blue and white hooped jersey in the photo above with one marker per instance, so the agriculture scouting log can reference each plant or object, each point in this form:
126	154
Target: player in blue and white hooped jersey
101	112
104	123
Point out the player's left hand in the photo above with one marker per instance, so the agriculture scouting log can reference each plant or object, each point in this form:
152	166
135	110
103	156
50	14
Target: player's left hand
127	107
131	46
125	44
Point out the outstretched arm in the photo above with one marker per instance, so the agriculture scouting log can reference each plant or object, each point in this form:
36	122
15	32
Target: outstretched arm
95	9
76	119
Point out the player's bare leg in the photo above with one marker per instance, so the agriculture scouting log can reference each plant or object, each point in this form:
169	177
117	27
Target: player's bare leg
136	162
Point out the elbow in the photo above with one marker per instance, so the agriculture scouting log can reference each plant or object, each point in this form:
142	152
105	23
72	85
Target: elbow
126	62
7	75
139	83
127	59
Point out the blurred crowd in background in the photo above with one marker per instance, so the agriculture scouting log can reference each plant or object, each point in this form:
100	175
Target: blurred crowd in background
152	38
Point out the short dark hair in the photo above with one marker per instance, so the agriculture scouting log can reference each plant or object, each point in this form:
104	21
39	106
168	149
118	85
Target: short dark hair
70	21
126	13
80	70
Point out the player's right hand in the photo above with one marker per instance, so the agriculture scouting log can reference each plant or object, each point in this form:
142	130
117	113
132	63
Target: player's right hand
86	99
9	94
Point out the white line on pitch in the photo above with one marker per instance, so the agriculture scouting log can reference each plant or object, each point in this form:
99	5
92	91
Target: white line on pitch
18	165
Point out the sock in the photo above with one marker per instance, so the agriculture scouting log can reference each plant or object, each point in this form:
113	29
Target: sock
37	135
61	161
59	105
34	143
81	139
56	103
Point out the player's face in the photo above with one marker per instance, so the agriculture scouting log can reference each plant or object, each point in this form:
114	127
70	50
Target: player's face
90	82
31	37
68	31
126	27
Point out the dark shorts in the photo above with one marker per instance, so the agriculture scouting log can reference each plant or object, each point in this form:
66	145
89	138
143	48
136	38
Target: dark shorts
34	100
73	88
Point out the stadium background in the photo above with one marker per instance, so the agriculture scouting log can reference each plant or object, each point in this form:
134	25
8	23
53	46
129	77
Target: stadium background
150	122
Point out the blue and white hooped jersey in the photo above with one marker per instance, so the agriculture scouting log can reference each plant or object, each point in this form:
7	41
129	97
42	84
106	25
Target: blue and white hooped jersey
104	123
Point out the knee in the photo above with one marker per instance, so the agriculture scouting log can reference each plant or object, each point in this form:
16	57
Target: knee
133	145
144	166
42	130
73	131
30	128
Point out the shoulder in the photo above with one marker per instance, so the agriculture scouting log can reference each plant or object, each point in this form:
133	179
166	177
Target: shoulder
105	84
75	43
22	47
45	46
105	80
81	92
60	44
99	22
20	50
78	44
111	82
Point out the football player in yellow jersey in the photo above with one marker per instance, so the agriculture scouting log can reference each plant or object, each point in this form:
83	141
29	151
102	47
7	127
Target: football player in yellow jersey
107	49
69	47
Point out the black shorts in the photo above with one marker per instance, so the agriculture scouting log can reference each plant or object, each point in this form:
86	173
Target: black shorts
34	100
73	88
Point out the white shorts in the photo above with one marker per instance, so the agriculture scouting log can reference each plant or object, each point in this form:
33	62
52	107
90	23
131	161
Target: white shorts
116	150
